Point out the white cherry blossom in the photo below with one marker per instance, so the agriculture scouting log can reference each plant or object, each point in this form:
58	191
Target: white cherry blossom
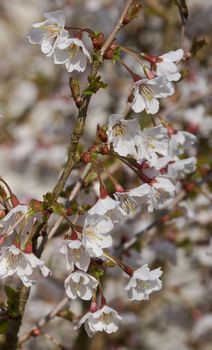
157	193
105	319
21	218
26	266
49	33
180	142
151	142
121	134
181	168
73	53
143	282
198	120
76	254
80	284
147	91
127	205
95	234
165	65
103	206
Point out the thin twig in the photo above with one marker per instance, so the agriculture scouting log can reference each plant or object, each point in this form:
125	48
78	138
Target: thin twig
117	28
58	307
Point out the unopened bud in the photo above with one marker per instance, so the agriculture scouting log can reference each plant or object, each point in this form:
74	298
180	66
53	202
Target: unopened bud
98	40
75	91
86	157
189	187
28	248
133	11
3	213
36	205
104	149
110	51
69	211
35	332
3	193
14	200
93	307
103	192
101	133
119	188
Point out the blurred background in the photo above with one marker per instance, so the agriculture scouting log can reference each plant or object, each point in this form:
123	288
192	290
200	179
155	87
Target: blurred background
36	118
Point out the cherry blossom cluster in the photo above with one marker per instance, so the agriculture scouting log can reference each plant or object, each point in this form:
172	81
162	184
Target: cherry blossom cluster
55	42
158	155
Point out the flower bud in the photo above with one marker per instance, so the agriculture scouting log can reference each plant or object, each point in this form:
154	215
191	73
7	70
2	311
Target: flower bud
35	332
86	157
119	188
104	149
133	11
93	307
110	51
3	213
103	192
189	187
69	211
75	91
14	200
101	133
28	248
36	205
98	40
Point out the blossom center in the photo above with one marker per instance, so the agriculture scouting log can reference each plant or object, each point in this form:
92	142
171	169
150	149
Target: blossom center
105	318
144	284
119	130
145	90
73	51
52	29
76	253
127	204
90	233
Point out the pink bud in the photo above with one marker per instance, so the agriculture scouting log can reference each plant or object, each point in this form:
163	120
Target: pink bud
119	188
28	248
93	307
103	192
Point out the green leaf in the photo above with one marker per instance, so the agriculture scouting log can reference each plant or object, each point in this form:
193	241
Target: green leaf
47	200
116	55
95	84
58	208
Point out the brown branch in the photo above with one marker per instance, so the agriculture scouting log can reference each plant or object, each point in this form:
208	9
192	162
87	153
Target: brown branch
14	320
58	307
